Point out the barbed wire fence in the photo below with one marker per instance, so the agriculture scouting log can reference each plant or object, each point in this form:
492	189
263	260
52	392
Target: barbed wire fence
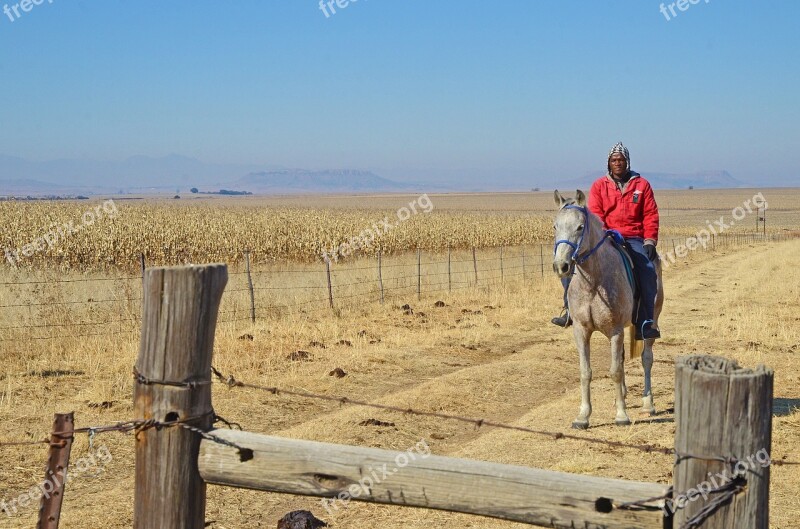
284	289
504	269
217	378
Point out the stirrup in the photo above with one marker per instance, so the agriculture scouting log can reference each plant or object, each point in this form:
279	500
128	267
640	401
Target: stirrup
648	333
563	320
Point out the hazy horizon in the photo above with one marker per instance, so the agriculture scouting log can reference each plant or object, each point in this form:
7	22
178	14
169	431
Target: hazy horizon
445	93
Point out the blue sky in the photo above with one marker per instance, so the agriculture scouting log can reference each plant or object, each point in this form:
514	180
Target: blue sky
411	89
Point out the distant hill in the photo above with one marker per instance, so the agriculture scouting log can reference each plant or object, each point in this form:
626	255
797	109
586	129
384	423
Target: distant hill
143	174
300	180
698	180
134	173
24	187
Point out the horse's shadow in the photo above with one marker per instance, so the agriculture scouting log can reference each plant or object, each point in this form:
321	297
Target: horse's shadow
782	407
662	416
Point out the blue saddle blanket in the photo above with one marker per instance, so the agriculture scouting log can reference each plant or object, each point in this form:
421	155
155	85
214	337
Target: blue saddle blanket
619	244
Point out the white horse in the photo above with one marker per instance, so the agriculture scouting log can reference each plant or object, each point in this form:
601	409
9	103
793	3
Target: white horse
600	299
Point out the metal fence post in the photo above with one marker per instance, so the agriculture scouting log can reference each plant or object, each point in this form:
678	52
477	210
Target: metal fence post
56	471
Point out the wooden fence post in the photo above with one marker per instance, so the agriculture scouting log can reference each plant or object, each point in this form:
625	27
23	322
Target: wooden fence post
502	273
179	317
250	287
380	273
56	470
541	257
449	272
475	265
330	285
723	418
142	265
523	264
419	274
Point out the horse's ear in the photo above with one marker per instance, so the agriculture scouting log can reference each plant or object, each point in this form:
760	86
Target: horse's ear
580	198
558	199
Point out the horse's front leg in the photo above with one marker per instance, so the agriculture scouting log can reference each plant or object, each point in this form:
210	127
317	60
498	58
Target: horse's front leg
648	407
618	376
582	337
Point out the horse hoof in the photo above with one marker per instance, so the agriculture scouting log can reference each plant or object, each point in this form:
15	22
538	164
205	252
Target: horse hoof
580	425
648	408
623	422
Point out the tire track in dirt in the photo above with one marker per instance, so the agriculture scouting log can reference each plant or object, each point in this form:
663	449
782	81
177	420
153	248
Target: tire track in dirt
537	387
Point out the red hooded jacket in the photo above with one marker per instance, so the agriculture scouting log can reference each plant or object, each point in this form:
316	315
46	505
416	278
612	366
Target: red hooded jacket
633	213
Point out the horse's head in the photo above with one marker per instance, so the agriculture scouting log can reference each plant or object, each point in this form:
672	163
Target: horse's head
569	225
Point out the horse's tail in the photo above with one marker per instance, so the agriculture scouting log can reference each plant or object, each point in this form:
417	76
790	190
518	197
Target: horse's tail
636	347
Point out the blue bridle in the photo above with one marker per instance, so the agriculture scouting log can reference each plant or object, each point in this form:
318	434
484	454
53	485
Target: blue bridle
576	248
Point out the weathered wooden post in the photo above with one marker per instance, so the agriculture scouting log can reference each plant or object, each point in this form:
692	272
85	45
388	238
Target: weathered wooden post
475	265
330	285
250	287
419	274
502	273
449	271
173	383
523	264
723	440
380	275
541	257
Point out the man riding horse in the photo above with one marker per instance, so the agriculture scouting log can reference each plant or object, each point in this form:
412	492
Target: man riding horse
624	201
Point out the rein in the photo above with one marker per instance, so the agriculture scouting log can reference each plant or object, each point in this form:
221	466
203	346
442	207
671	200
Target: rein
576	248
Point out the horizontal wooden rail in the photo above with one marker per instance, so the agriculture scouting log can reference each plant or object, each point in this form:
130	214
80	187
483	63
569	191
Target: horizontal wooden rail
417	479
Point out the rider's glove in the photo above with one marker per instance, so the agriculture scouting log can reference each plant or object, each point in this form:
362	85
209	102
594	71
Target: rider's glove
650	250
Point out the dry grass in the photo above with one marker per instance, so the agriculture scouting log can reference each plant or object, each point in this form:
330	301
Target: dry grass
501	360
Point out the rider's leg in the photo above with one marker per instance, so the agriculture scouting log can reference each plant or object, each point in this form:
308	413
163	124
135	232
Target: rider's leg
564	319
646	272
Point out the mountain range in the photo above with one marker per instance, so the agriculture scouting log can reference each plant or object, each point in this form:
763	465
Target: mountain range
175	173
699	180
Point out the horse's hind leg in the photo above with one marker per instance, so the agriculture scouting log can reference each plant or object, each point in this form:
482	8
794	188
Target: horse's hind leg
618	376
582	337
648	408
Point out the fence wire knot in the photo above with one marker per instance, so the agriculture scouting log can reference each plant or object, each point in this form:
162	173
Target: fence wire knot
188	384
245	454
645	504
228	381
680	457
727	492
